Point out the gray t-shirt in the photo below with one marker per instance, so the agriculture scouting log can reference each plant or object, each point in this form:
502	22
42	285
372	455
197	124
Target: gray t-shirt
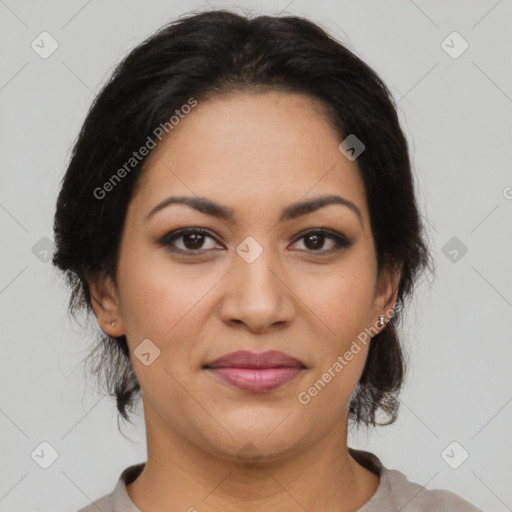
395	493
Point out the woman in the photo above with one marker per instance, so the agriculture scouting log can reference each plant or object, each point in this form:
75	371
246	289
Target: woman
239	215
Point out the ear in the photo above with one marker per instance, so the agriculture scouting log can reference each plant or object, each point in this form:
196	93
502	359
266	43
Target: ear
386	292
105	303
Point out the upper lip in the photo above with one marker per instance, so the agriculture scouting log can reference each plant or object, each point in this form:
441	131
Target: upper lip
246	359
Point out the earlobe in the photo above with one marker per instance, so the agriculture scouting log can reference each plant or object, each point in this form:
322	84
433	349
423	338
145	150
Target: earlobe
385	302
104	300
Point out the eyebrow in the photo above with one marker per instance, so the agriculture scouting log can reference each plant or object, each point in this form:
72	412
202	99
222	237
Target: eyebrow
294	210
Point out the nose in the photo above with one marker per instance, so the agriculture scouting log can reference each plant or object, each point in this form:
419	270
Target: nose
257	294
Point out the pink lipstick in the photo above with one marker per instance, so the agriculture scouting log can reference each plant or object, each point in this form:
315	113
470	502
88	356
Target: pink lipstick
256	372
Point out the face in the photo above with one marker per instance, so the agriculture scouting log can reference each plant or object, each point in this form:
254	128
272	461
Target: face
264	278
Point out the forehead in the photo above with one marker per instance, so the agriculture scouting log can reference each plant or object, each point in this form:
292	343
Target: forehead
251	150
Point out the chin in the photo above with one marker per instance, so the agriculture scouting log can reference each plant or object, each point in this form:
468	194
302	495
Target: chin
268	440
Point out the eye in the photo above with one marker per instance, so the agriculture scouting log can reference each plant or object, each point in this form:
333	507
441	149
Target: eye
190	240
314	240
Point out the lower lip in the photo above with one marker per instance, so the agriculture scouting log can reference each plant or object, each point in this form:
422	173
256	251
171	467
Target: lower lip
256	380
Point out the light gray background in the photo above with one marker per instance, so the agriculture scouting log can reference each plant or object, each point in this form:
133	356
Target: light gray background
457	115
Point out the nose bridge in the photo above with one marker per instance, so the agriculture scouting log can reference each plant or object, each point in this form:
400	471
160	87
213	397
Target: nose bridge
255	267
256	294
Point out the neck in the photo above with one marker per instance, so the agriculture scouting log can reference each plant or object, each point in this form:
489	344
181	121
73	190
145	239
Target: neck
180	475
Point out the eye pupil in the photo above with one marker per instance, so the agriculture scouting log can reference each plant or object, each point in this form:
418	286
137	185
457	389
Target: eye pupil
317	241
197	240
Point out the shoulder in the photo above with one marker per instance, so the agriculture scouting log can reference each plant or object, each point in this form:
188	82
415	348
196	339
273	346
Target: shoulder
103	504
395	492
118	500
420	499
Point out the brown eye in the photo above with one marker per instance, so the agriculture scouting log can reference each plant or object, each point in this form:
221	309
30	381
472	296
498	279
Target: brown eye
188	240
314	241
193	241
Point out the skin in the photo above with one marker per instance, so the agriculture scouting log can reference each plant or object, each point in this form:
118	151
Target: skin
256	153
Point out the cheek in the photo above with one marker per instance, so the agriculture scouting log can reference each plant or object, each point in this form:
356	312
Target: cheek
155	295
328	388
341	299
159	302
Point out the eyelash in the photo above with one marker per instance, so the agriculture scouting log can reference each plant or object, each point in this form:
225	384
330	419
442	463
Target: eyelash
341	241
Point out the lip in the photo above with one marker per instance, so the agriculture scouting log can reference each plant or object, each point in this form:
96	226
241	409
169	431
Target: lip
256	372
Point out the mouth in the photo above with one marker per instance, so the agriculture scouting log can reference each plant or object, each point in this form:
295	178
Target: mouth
256	372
